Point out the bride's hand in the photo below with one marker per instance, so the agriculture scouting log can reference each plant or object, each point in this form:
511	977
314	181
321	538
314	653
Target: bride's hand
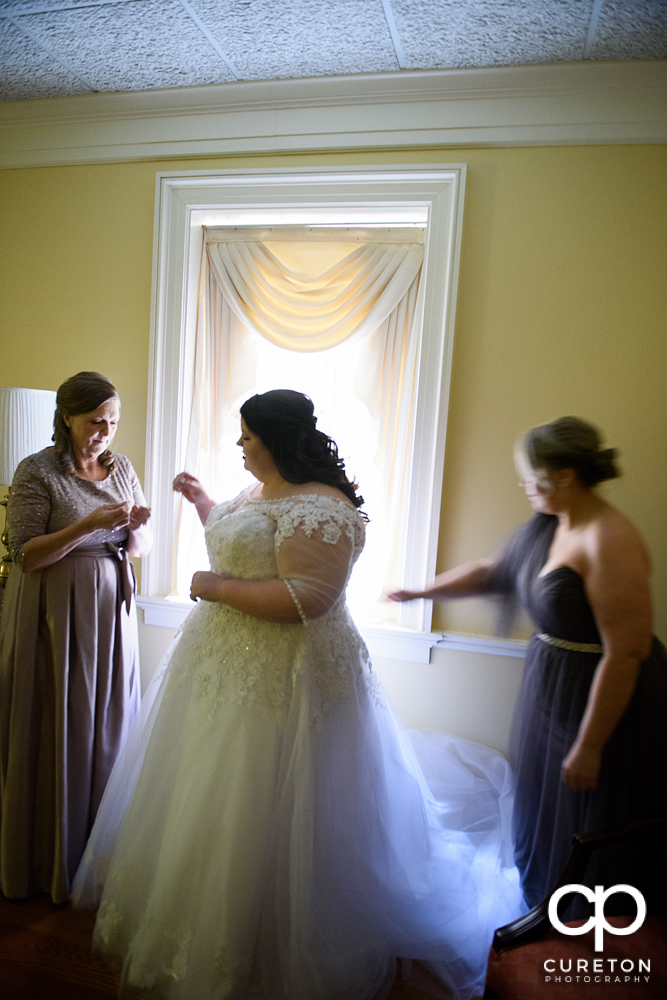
206	585
189	486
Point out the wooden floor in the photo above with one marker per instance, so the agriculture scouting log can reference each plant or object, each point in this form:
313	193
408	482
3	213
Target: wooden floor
45	955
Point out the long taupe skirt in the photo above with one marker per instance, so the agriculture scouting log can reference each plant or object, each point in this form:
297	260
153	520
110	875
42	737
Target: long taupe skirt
69	689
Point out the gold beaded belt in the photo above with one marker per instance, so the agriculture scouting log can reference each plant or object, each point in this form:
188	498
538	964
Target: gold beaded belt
575	647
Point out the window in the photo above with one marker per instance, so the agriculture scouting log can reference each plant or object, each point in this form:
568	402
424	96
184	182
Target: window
187	203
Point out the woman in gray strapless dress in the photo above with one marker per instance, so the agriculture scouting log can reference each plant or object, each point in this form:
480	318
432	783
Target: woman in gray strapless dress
590	739
69	669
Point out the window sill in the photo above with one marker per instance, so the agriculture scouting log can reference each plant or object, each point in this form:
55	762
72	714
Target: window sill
389	642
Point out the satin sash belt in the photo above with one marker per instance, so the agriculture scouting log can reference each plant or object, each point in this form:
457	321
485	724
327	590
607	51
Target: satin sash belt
125	569
575	647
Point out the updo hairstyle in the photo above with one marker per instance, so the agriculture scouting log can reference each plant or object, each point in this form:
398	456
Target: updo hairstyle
570	443
82	393
284	421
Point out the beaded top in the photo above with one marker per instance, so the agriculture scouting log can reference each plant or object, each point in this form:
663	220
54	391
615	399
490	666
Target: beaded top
43	500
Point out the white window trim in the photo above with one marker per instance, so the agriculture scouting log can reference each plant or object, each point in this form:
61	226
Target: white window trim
181	198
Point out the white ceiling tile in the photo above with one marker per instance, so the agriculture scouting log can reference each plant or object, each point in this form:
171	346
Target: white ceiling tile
451	33
39	6
267	39
27	71
20	6
131	46
631	29
121	45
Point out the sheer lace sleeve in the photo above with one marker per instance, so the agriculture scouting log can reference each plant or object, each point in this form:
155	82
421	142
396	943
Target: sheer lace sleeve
28	509
316	546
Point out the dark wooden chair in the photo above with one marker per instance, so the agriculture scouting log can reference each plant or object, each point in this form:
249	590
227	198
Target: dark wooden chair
529	959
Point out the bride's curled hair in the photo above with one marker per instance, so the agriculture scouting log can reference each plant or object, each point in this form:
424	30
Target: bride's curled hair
284	420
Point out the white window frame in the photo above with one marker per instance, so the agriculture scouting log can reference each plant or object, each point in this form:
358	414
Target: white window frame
182	200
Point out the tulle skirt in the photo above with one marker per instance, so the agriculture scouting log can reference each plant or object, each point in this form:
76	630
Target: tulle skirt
295	853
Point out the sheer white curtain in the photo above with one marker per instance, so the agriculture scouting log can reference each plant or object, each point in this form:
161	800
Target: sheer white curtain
334	313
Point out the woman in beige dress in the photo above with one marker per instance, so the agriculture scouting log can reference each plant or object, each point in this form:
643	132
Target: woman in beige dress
69	670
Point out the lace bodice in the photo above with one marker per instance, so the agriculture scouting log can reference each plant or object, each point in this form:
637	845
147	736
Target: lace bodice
309	541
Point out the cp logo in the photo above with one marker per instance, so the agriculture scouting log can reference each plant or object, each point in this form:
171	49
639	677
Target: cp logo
598	921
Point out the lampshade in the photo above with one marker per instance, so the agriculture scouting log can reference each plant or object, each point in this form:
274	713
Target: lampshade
26	426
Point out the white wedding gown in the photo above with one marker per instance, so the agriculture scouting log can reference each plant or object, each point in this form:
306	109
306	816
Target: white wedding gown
268	831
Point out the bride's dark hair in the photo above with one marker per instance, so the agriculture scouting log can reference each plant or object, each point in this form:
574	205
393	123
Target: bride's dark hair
284	420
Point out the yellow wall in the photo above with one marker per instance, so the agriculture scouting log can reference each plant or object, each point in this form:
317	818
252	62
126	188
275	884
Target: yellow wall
561	310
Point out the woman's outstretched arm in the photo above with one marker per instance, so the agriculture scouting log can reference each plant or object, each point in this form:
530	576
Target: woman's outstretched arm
463	581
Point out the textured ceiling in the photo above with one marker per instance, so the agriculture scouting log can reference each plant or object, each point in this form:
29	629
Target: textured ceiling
62	47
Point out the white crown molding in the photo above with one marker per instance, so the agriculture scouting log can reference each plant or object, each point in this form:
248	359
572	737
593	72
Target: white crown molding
555	104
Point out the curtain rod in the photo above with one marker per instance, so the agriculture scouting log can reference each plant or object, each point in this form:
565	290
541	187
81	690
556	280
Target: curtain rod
305	234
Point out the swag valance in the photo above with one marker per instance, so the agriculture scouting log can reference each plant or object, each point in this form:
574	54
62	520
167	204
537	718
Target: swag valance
308	290
304	311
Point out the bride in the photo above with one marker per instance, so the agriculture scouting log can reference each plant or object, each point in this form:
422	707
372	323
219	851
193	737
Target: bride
268	831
